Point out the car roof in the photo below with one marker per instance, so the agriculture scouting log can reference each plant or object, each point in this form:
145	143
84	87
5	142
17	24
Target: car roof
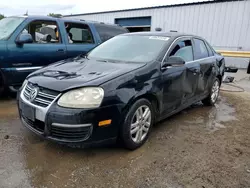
163	34
33	16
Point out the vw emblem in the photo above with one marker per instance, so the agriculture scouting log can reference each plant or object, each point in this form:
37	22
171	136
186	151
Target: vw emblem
33	94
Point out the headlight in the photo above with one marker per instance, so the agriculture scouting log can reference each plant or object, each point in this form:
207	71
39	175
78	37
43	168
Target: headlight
24	83
89	97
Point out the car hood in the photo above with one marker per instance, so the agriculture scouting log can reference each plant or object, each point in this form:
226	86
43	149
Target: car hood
78	72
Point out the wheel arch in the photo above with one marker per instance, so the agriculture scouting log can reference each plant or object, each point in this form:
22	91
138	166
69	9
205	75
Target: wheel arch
152	98
220	78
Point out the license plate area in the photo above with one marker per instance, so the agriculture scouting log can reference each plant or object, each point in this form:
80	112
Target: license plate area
28	112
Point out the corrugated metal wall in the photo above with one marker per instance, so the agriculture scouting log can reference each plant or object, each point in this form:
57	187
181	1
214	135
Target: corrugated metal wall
226	25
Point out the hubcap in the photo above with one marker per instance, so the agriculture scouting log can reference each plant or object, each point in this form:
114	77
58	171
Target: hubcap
215	91
141	123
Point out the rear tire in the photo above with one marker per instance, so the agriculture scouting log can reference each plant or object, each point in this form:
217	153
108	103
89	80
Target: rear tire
213	95
137	124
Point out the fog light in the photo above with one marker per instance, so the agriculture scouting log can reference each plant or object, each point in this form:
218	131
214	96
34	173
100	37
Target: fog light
105	122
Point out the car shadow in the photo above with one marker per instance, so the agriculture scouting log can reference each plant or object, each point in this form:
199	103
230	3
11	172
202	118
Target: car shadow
7	97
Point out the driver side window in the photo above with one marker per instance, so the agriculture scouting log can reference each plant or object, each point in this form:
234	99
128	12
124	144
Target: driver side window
43	32
183	49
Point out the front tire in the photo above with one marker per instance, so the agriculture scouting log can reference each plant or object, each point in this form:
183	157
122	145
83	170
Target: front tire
2	85
137	124
214	94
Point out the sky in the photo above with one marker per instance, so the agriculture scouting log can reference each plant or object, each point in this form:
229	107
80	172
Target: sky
65	7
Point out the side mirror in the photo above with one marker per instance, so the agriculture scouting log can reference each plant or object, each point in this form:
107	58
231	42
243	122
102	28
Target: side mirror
174	61
24	38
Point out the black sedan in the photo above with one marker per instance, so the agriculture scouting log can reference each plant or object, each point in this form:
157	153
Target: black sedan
120	88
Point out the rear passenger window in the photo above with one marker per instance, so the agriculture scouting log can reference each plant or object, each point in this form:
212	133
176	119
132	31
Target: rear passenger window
79	33
184	50
200	49
210	51
106	32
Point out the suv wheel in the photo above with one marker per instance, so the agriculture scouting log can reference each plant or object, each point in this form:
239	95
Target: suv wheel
137	125
214	94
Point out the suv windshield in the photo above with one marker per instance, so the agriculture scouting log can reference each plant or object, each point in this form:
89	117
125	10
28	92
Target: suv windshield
130	48
8	26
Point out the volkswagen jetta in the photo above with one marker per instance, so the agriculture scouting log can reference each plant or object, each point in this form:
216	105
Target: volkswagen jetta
120	88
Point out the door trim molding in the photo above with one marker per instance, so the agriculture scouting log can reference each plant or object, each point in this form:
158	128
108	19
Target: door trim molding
200	59
22	68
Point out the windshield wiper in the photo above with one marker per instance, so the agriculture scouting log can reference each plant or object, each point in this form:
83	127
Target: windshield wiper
84	56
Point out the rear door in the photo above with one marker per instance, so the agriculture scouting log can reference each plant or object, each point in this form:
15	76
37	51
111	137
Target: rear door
207	62
79	38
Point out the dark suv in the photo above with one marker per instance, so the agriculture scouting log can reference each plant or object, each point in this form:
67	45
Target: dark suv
28	43
121	88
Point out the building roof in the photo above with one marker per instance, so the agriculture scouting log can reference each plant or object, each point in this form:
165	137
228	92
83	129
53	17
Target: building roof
156	7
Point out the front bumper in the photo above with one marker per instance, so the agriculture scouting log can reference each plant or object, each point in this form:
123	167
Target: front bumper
65	125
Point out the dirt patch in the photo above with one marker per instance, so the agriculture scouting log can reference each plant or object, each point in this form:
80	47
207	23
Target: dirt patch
8	108
200	147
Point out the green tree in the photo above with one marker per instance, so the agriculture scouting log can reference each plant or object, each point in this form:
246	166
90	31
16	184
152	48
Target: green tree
2	16
55	15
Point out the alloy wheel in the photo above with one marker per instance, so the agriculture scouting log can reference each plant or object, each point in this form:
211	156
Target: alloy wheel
215	91
140	124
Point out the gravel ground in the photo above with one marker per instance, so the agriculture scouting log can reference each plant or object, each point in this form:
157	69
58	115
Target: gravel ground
200	147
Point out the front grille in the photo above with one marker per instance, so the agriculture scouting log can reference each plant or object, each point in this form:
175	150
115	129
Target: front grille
38	125
44	97
81	133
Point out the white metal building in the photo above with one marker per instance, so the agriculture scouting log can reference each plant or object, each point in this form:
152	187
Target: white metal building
224	23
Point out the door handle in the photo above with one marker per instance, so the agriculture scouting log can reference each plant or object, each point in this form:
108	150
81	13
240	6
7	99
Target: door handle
60	50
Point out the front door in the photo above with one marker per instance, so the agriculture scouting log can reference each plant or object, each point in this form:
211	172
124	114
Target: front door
180	83
45	49
172	84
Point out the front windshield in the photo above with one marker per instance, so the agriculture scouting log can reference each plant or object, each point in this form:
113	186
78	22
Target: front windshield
8	26
130	48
